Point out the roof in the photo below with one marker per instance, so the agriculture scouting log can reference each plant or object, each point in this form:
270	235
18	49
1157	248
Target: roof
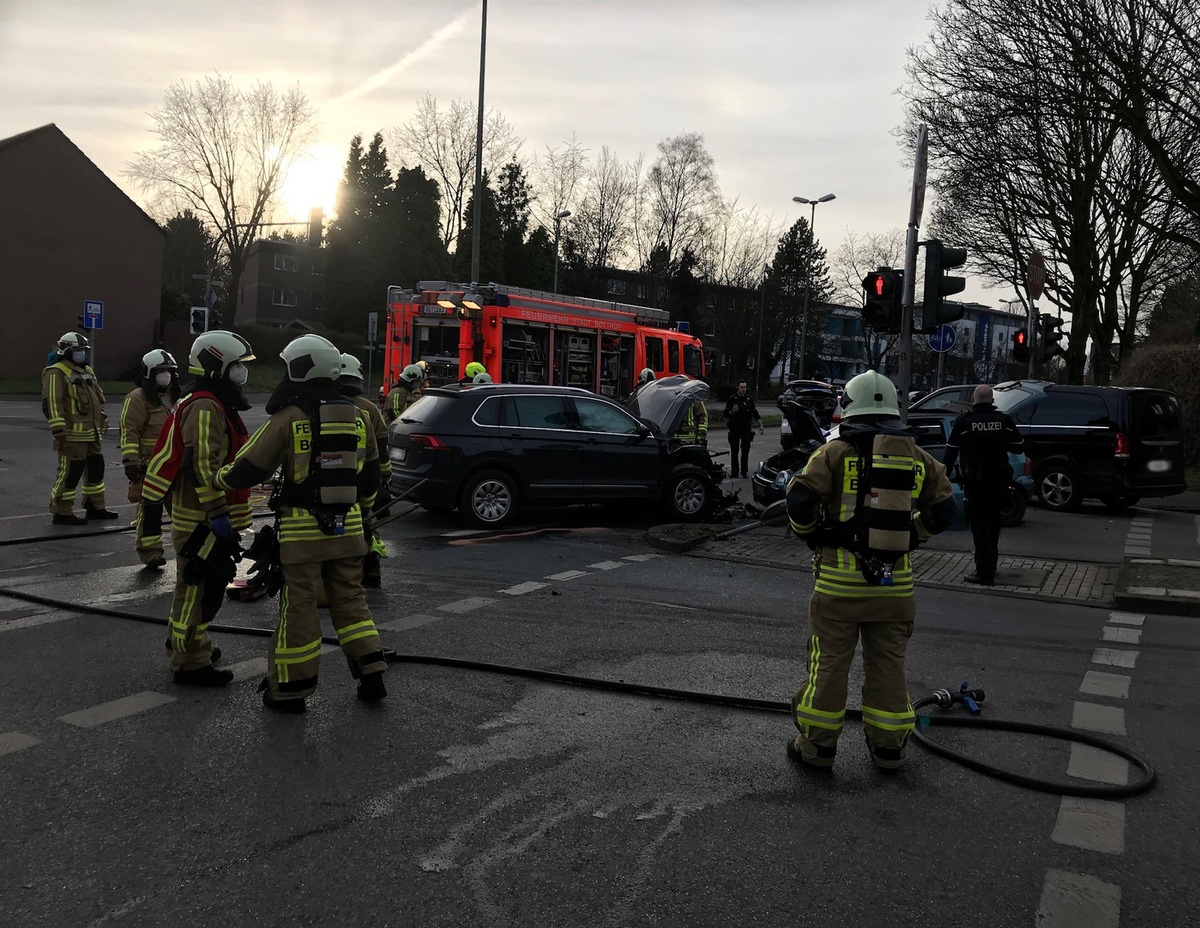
50	129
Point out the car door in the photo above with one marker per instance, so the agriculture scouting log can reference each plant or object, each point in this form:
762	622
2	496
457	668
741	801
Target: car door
1155	442
621	460
1074	428
541	441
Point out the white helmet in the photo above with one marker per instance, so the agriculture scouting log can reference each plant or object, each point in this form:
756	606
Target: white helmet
70	341
482	377
311	357
645	376
870	394
157	360
412	374
213	353
351	368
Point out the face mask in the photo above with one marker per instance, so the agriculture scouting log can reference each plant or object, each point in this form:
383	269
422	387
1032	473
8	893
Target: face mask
238	374
163	379
78	356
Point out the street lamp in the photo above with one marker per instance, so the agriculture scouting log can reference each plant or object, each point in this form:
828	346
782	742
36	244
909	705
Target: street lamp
812	243
477	222
557	223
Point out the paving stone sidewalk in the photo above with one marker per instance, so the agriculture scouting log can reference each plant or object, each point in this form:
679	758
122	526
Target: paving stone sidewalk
1163	585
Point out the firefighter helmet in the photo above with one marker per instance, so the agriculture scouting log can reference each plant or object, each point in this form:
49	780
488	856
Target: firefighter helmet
215	352
157	360
311	357
351	368
70	341
412	375
870	394
482	377
645	376
474	368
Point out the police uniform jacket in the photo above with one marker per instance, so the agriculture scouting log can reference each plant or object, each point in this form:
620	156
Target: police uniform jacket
143	414
741	413
73	402
983	437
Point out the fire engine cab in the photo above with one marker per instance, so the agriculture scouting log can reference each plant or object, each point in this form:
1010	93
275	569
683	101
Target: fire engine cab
529	336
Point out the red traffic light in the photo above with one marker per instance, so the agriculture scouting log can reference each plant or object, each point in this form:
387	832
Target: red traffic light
1020	338
880	283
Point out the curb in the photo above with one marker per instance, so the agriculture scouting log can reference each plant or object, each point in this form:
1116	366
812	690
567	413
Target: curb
1164	600
679	538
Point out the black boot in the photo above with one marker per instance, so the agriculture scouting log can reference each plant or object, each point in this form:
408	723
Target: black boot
68	519
204	676
371	688
290	706
98	514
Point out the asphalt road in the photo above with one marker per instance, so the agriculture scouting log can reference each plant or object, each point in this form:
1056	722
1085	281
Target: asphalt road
477	798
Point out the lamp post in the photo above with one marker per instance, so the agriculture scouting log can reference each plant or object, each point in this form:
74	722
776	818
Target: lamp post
762	305
812	244
557	224
478	220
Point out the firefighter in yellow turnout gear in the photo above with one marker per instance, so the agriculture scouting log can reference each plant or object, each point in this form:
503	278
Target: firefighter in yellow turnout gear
351	384
863	501
406	392
143	414
694	428
329	458
73	404
204	432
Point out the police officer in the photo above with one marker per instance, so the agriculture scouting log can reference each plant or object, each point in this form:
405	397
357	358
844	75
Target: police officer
350	384
203	433
741	415
404	393
330	473
983	439
143	413
73	404
862	502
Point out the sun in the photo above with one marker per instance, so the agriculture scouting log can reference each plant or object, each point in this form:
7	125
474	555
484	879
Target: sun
312	181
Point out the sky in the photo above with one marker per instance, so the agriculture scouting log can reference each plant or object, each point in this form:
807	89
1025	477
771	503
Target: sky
793	97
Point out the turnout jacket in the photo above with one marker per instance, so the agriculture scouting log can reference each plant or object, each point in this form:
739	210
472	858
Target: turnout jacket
73	402
399	398
825	495
143	414
377	427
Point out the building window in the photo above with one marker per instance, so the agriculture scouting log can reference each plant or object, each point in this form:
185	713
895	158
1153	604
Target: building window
710	330
643	291
287	263
283	297
616	287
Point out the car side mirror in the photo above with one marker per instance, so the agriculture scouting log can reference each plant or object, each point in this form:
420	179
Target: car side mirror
775	514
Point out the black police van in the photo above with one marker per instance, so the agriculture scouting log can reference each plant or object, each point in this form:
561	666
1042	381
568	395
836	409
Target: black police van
1115	444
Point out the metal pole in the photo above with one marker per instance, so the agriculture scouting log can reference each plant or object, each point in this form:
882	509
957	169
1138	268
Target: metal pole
477	221
1033	335
762	305
812	244
557	226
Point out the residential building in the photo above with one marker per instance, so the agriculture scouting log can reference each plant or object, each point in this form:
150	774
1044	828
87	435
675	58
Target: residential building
283	285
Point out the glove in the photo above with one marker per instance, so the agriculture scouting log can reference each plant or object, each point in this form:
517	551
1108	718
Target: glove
761	430
60	440
133	472
221	527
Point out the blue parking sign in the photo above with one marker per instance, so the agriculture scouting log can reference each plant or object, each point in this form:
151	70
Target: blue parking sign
93	314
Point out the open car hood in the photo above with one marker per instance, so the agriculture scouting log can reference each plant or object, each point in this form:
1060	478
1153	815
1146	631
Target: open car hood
663	403
803	422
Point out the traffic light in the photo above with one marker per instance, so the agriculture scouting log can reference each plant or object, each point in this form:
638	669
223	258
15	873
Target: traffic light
198	320
883	289
1020	349
1050	336
316	221
939	259
81	325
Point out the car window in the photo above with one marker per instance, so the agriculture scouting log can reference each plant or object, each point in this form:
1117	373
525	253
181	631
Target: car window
928	431
488	412
1155	415
595	416
1016	401
673	357
428	408
654	353
693	361
939	400
1071	409
538	412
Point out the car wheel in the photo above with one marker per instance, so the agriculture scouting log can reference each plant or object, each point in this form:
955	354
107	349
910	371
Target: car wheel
1012	507
689	496
489	499
1058	488
1117	503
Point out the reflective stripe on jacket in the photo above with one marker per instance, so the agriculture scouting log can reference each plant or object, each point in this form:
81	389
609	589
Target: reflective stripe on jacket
73	402
141	421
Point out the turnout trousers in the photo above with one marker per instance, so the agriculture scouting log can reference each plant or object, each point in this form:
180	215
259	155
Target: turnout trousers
294	655
819	707
148	546
77	459
983	515
192	611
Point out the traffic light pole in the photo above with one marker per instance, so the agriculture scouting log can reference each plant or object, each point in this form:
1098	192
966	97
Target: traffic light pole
909	289
1034	325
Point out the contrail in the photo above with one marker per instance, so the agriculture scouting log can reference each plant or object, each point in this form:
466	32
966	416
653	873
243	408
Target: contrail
380	78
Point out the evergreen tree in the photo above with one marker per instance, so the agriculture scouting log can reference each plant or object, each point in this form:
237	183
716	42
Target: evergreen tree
491	241
416	251
189	249
798	264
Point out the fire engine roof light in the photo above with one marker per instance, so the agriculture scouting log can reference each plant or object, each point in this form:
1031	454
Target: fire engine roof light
446	301
472	301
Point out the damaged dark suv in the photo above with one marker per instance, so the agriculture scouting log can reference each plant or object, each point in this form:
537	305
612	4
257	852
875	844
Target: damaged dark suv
492	450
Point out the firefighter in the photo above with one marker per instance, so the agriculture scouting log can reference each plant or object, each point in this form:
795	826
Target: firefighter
143	413
404	393
204	432
863	501
470	372
482	377
645	376
73	404
694	428
330	473
350	384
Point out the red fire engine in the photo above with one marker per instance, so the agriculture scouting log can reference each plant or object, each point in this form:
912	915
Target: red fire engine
527	336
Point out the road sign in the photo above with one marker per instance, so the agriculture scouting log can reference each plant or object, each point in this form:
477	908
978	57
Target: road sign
372	328
943	339
1035	279
93	314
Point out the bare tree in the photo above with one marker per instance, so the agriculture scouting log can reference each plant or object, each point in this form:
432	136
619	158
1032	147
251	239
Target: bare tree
224	153
678	193
443	143
600	229
858	256
737	244
557	177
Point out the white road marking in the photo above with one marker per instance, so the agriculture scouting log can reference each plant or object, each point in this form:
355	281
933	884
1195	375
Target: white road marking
469	604
13	741
640	557
248	670
30	621
1126	618
606	565
1112	685
1090	716
1076	900
1089	763
569	575
1123	635
117	709
416	620
1114	658
1091	824
522	588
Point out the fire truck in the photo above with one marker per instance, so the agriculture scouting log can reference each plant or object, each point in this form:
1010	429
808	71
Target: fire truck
529	336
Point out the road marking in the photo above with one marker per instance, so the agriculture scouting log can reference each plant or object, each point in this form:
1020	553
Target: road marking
1089	763
569	575
1091	824
1126	659
416	620
640	557
470	604
247	670
1123	635
1076	900
522	588
1126	618
13	741
117	709
1091	716
606	565
30	621
1098	683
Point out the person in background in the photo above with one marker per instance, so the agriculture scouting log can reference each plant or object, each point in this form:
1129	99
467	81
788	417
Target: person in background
350	384
406	392
741	415
694	428
471	371
143	413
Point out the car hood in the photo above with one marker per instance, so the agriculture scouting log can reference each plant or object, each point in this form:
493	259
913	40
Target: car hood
663	403
803	422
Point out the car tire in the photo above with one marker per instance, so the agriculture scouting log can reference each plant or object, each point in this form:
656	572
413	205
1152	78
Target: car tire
1117	503
1012	507
689	496
1058	488
489	499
